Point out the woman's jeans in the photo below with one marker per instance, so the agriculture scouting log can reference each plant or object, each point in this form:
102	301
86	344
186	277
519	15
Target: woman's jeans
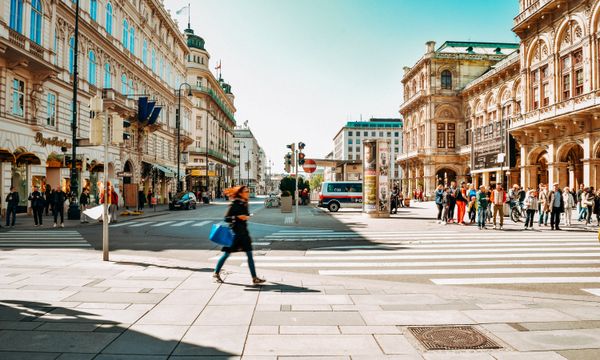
529	218
224	257
481	212
440	208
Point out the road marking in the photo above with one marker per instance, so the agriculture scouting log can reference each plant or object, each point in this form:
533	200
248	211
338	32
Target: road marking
410	251
162	223
183	223
423	263
517	280
45	245
460	271
117	225
592	291
138	224
449	245
289	220
202	223
261	243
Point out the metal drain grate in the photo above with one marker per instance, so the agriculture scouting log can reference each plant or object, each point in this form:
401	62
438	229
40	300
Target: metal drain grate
452	338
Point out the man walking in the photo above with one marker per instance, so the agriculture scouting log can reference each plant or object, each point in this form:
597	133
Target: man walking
569	203
452	201
439	197
58	199
498	199
482	204
84	202
557	206
544	205
12	202
37	205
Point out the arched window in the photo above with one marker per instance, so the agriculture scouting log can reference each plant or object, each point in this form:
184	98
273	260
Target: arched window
132	39
125	37
16	15
153	61
94	9
109	18
131	92
124	84
145	53
446	80
107	77
36	21
71	54
92	68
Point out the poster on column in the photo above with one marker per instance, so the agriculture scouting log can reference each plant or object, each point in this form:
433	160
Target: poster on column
370	177
383	170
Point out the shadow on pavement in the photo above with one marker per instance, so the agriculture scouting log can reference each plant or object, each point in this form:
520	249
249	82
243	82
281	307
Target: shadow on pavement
274	287
36	330
148	265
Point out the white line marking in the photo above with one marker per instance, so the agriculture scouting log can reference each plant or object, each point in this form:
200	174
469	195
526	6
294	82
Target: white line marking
138	224
411	251
460	271
471	245
516	280
592	291
162	223
261	243
423	263
45	245
117	225
183	223
202	223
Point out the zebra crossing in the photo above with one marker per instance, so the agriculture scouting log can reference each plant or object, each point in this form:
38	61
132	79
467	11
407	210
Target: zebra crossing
57	238
169	223
445	258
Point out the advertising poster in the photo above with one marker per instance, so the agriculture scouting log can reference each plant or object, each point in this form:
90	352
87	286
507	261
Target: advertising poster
383	169
370	177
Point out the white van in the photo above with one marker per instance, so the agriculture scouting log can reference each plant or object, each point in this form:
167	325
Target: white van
335	194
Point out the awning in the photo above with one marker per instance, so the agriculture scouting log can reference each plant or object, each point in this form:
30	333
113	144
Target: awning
167	171
28	158
6	156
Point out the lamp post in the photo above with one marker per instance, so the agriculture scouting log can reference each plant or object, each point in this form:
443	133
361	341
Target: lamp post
503	128
73	213
248	169
240	162
178	126
206	154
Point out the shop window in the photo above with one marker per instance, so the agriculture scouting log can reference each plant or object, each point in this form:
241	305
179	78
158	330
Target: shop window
446	80
18	97
51	110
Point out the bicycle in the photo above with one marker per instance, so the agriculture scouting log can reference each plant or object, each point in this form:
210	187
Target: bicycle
271	202
517	212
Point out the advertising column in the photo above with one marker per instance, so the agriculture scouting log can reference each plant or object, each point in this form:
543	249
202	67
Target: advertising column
376	188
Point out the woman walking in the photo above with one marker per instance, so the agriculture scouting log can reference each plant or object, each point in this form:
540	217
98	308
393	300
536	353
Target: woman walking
238	216
569	204
531	206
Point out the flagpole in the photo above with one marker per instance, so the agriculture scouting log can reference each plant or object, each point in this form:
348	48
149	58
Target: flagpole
189	15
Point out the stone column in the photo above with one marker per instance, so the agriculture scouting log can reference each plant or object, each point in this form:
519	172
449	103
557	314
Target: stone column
429	181
588	177
593	166
500	178
485	179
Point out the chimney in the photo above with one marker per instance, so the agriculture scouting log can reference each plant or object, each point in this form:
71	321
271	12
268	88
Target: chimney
429	47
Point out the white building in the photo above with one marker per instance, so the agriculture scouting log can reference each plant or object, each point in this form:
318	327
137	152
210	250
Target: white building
247	152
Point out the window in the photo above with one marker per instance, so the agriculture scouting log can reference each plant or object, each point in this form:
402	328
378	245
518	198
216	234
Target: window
357	156
396	134
51	110
132	40
381	134
350	157
357	141
71	54
153	60
94	9
349	133
18	97
124	84
109	18
446	80
125	37
349	149
16	15
373	133
349	141
36	21
572	74
357	149
365	133
145	52
388	134
441	135
92	68
107	77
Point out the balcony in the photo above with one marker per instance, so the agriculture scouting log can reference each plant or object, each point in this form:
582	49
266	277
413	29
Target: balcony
119	103
217	100
414	153
412	100
214	154
20	51
567	107
531	13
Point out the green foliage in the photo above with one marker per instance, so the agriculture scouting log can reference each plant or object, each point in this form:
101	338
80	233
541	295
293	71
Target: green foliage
288	183
316	181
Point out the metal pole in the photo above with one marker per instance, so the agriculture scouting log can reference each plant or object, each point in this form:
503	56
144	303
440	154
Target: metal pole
178	126
248	170
206	154
296	218
73	212
239	163
105	248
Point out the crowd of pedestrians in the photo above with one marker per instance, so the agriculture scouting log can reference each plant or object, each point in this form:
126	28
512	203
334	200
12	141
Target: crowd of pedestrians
486	205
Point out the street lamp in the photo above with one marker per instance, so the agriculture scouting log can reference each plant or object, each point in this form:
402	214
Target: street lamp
249	164
73	213
240	162
178	126
503	128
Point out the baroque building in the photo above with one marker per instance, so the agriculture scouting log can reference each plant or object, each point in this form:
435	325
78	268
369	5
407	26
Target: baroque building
127	50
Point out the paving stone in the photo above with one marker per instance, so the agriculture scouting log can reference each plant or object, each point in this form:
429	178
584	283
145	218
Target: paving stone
400	299
42	287
457	356
356	307
582	312
315	345
51	326
311	307
264	330
128	316
212	341
19	325
130	357
562	325
171	315
552	340
139	283
268	307
147	340
395	345
346	291
304	299
56	281
295	330
387	357
584	354
517	315
544	355
494	328
116	297
307	318
502	306
364	330
234	295
188	297
114	306
313	358
78	356
38	295
226	315
442	317
45	341
27	355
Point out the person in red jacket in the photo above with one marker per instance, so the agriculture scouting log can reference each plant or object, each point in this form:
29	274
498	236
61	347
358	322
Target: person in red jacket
113	201
498	198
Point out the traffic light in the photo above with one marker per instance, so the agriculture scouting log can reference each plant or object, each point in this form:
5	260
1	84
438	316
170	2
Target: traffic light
288	162
301	155
301	146
292	147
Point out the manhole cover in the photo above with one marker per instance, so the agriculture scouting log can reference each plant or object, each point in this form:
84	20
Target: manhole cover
452	338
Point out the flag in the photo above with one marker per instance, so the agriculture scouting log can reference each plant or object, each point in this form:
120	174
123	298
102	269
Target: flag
218	67
183	11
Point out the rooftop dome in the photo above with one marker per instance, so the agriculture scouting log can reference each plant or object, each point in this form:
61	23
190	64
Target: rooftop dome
194	41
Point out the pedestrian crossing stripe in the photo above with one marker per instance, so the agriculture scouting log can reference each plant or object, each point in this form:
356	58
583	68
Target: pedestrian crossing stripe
182	223
162	223
592	291
518	280
463	271
202	223
420	257
537	248
317	264
171	223
42	239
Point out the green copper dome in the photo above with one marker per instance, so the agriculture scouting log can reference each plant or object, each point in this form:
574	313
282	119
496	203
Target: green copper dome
194	41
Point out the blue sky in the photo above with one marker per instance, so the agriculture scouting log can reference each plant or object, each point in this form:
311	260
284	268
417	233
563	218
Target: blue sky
301	69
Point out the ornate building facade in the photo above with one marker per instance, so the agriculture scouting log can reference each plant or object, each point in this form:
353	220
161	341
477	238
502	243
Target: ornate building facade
127	50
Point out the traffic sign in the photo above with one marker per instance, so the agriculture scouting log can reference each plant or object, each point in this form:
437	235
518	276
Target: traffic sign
124	174
309	166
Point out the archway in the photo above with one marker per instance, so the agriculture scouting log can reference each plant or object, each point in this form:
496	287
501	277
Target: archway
570	170
542	168
444	176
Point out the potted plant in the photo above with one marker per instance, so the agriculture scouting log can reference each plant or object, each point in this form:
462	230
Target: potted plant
286	202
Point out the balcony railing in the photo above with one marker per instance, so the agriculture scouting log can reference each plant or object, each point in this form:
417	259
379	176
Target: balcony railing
566	107
530	10
217	100
412	99
213	153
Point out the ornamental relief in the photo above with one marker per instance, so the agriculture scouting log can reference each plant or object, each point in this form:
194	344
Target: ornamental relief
571	35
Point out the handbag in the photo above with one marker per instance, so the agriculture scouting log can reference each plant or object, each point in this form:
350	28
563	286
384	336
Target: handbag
221	234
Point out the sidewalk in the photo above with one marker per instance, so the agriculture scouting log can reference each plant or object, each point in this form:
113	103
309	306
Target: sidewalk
60	304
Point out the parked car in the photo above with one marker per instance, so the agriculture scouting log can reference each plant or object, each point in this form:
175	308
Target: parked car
335	194
184	200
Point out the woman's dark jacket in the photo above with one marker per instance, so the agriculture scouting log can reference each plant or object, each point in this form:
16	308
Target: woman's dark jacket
241	239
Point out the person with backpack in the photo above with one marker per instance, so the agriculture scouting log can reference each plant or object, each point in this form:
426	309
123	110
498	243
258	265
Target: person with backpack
439	195
37	205
482	201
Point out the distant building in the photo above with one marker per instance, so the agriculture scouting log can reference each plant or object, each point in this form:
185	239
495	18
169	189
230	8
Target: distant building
247	152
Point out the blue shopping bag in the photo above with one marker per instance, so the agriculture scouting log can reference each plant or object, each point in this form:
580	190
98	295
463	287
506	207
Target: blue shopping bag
221	234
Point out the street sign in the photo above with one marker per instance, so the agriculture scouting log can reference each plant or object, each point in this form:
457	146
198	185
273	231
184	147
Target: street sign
309	166
124	174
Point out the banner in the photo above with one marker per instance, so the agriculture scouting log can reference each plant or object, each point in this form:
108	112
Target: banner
383	170
370	176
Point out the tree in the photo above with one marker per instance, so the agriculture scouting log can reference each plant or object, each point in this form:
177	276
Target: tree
316	181
288	183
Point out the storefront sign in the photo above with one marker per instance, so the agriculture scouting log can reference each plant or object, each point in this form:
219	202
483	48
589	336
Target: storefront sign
487	147
54	141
